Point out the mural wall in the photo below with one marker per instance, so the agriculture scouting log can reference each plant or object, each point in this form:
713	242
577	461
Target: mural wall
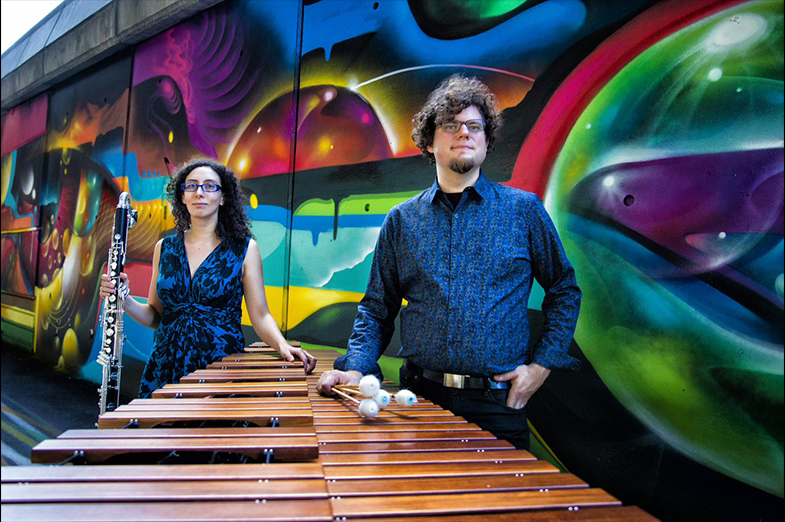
653	131
23	141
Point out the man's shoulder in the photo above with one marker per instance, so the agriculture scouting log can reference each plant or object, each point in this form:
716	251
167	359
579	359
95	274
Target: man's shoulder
513	195
412	204
406	211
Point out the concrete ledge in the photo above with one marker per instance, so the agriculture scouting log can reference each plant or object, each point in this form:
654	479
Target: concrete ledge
118	26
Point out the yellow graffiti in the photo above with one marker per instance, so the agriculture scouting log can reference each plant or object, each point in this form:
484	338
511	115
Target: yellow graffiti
304	302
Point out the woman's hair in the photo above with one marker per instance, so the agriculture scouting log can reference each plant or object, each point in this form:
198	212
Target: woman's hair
233	223
452	96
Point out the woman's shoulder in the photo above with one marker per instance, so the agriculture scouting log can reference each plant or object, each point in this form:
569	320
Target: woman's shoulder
240	246
169	244
247	243
167	241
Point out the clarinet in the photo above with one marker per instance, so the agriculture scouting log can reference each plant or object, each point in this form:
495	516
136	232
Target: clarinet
111	353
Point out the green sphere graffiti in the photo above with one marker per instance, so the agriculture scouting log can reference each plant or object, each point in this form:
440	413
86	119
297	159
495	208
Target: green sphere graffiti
668	194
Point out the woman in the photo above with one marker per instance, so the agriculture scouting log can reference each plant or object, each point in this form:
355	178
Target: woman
200	275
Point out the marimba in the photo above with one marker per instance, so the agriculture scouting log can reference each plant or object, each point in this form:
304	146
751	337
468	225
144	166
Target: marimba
269	447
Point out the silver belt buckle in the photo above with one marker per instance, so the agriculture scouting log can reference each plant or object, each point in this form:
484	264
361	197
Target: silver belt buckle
452	380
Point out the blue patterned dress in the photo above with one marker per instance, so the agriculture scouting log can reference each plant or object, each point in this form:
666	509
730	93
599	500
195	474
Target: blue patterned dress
201	317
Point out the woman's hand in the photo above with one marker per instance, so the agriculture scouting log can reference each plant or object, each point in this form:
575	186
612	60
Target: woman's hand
107	285
289	353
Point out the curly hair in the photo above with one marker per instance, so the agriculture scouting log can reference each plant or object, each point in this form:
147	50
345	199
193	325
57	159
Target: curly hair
452	96
233	223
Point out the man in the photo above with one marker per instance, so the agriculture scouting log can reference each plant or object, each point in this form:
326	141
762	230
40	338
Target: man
463	254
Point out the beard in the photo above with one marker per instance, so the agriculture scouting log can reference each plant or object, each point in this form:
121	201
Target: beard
461	166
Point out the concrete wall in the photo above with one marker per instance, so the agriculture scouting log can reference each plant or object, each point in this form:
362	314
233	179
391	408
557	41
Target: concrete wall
81	33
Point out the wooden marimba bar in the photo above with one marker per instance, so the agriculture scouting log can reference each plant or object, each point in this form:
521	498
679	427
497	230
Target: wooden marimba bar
280	451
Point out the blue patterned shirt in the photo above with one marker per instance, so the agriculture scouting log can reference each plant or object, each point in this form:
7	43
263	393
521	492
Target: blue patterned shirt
466	273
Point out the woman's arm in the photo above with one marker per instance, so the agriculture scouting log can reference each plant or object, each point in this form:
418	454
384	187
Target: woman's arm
145	314
262	321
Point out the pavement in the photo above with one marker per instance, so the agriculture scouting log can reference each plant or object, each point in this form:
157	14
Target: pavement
39	403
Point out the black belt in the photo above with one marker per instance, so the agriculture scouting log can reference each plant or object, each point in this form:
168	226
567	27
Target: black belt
453	380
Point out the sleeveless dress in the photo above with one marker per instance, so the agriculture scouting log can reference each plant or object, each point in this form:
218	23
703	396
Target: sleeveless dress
202	317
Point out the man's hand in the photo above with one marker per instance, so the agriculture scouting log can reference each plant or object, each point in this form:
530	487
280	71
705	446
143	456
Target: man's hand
526	379
336	377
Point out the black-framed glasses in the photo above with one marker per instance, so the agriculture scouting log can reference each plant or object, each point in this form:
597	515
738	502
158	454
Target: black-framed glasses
472	126
207	187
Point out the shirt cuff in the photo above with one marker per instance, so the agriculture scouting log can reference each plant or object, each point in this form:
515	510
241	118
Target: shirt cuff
361	364
555	359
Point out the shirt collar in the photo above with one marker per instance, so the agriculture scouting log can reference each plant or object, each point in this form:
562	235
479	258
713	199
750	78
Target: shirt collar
482	187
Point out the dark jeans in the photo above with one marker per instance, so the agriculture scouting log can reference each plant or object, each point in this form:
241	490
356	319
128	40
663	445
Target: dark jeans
486	408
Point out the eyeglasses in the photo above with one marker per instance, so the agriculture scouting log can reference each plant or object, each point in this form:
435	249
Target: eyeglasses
207	187
472	126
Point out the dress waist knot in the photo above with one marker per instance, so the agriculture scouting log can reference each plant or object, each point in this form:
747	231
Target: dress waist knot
195	310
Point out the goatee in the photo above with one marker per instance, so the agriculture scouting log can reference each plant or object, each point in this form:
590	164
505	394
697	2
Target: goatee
461	166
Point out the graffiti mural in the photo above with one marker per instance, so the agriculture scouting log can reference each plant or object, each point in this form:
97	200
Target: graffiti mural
653	132
21	167
370	78
86	128
668	194
21	182
685	217
218	85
